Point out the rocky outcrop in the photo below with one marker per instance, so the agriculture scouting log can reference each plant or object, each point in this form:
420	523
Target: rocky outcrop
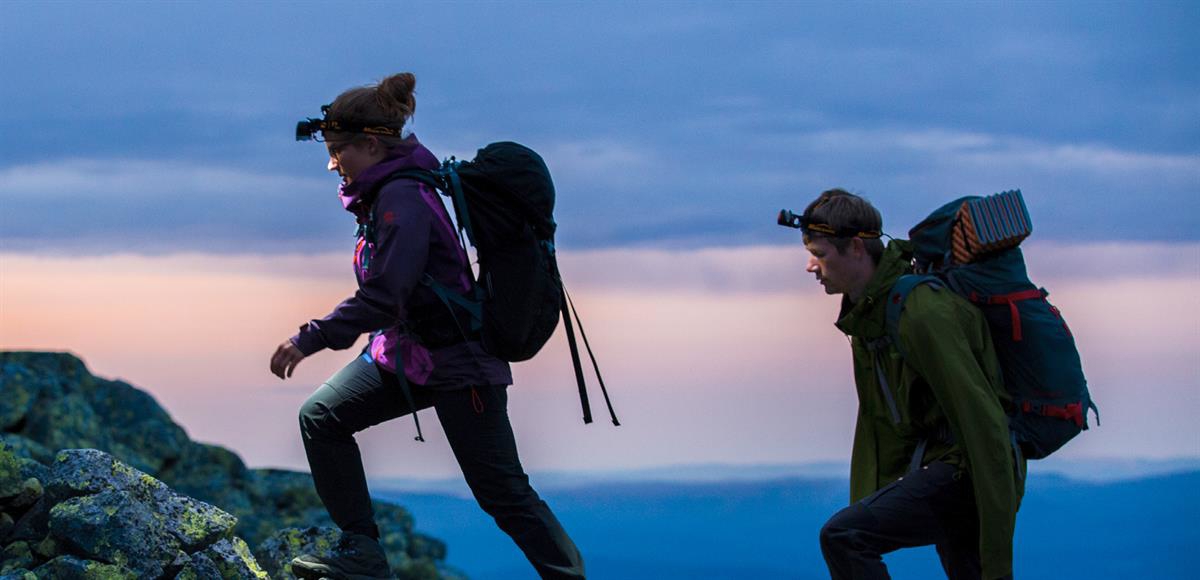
130	495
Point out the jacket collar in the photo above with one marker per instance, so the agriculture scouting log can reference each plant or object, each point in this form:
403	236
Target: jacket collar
866	318
412	154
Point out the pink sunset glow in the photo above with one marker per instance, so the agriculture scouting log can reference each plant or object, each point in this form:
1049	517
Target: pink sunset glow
718	355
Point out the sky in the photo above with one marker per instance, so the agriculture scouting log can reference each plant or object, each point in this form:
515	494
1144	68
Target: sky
158	219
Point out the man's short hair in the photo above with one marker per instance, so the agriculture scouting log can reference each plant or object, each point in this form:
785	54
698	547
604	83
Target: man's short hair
841	209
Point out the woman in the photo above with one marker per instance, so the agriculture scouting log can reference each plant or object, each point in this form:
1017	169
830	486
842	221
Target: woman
405	236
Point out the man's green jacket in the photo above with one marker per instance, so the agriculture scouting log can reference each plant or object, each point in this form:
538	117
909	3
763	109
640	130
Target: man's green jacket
947	389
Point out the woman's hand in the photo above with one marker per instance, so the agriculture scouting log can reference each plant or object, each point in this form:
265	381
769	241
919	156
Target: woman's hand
285	359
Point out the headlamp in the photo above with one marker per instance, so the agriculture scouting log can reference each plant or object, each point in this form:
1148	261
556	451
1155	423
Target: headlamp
805	224
307	129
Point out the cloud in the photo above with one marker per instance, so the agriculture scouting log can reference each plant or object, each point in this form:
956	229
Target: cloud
739	111
120	180
97	206
949	147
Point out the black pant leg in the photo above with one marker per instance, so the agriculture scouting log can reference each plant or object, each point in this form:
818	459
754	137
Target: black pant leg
477	427
917	510
358	396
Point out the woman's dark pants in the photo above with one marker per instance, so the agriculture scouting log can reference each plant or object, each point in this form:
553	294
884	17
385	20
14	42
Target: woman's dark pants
933	505
475	421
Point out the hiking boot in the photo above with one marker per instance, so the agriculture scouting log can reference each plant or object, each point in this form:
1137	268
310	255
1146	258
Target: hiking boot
355	557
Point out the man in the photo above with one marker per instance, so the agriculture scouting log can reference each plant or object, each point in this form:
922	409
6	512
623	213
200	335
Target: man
932	461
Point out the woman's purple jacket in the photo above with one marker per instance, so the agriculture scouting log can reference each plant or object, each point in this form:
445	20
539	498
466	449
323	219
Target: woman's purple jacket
413	237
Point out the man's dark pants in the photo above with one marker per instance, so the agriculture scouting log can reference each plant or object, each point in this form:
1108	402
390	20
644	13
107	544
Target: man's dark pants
476	424
932	505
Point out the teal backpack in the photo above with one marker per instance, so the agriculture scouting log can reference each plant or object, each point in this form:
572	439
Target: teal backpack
970	246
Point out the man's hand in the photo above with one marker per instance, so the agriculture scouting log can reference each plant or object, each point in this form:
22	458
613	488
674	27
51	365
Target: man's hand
285	359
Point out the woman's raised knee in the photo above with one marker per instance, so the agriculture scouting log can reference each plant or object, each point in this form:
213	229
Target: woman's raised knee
315	417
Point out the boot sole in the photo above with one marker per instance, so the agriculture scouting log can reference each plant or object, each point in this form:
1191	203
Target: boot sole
314	571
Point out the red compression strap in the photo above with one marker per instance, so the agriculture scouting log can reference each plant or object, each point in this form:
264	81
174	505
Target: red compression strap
1072	412
1011	300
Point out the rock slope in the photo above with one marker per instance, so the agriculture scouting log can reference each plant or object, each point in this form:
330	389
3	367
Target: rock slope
97	481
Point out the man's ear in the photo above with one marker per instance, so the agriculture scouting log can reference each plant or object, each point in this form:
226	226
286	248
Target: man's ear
859	246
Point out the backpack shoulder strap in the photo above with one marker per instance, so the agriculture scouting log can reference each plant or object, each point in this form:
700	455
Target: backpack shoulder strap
896	298
423	175
445	180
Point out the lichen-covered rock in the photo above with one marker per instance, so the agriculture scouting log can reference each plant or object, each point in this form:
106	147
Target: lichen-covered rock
16	555
28	492
66	421
427	547
114	527
10	473
46	549
90	471
234	561
21	388
199	567
27	448
52	370
148	439
192	523
31	526
152	463
276	553
67	566
213	474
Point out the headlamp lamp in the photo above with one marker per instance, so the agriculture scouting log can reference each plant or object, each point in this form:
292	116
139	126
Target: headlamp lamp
307	129
805	224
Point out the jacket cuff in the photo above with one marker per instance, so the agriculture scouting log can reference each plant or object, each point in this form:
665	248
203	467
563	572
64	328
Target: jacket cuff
307	341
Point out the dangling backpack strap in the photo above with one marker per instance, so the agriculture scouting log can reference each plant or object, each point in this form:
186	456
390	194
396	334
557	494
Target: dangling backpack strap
406	388
575	360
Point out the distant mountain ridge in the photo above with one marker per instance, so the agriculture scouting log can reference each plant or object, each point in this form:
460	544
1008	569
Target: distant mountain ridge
1089	470
50	402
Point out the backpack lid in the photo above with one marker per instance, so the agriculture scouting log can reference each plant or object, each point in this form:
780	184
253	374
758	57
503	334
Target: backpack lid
931	238
518	173
971	228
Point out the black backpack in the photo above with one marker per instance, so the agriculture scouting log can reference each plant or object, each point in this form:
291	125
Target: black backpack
504	202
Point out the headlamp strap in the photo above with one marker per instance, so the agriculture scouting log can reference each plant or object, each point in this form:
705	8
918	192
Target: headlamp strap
309	127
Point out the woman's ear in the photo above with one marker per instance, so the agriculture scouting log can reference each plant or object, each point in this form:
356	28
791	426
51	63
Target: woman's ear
373	145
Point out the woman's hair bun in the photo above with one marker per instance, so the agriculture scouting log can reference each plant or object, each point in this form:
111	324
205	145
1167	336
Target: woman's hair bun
395	95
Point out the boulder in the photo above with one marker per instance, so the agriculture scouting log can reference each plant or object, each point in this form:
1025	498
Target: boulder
27	448
86	503
199	567
114	527
234	561
21	388
276	553
16	555
67	566
191	523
